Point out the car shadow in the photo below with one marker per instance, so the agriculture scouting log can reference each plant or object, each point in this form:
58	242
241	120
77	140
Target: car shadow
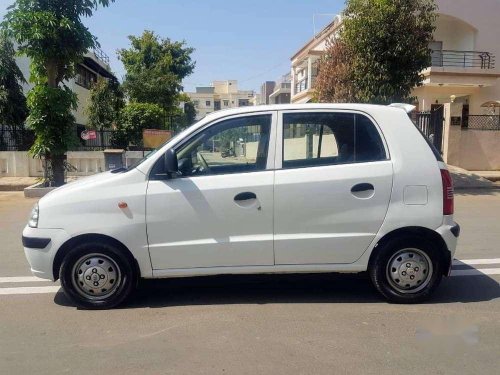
300	288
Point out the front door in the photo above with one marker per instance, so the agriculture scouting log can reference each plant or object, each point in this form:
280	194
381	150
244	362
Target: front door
333	188
218	211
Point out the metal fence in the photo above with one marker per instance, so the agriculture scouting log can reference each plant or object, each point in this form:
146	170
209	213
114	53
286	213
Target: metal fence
14	138
104	140
482	122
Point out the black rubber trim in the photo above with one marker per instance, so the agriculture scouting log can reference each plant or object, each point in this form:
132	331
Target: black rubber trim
455	230
35	242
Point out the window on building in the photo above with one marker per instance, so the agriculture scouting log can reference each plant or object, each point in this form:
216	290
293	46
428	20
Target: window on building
85	77
208	103
314	139
196	103
243	102
226	103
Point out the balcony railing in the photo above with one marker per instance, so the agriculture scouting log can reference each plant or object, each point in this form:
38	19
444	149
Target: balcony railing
101	55
463	59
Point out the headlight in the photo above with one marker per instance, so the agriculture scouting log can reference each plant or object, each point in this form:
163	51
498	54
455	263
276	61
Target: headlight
33	222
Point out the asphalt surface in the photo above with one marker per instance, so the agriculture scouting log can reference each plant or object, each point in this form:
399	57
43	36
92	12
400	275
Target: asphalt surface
305	324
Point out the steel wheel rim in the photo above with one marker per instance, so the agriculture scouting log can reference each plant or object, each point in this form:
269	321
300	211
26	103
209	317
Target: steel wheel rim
409	270
96	276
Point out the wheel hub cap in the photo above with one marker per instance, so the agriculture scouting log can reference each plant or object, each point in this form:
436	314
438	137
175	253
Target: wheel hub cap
409	270
96	276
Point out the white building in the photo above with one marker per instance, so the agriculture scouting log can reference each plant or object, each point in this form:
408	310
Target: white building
463	65
95	64
221	95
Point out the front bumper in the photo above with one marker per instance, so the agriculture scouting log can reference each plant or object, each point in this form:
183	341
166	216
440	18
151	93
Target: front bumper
40	248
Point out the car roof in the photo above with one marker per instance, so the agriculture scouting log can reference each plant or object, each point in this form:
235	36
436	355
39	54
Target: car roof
369	108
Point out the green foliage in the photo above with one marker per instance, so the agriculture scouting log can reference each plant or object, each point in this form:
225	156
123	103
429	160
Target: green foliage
189	113
155	69
105	103
13	109
50	114
134	118
389	42
52	35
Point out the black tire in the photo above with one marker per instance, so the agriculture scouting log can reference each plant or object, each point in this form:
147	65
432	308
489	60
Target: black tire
384	277
116	276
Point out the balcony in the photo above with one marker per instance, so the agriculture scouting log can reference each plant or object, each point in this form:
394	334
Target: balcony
463	59
466	69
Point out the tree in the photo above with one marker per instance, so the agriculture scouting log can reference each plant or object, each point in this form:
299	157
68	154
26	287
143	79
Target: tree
52	35
334	81
105	103
189	113
155	68
13	109
389	40
134	118
380	51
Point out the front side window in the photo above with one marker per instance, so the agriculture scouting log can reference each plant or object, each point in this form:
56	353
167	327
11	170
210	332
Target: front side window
232	146
314	139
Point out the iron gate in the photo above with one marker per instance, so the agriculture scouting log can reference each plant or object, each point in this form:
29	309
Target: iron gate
431	124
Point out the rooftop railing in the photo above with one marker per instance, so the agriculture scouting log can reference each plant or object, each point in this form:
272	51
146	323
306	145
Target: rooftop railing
101	55
463	59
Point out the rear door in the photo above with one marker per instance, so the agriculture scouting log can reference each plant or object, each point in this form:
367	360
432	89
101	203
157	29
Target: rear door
333	184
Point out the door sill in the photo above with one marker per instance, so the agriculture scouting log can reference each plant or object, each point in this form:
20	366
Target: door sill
229	270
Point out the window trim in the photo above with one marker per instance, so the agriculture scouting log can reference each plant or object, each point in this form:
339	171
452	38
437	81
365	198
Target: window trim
271	151
279	137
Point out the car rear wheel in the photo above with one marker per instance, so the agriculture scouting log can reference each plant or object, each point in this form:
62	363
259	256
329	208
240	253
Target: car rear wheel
406	270
97	276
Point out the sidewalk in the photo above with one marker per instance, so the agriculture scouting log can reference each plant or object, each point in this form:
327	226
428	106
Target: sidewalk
20	183
489	175
17	183
464	179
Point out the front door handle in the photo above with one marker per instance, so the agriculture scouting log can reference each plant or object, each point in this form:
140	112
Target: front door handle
246	196
247	200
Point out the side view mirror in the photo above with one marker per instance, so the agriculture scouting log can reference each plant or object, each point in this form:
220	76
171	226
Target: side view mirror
171	164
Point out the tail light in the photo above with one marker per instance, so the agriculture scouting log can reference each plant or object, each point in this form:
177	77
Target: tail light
447	192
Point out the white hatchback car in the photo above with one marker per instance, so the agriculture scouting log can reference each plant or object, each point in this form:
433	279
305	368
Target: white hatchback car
271	189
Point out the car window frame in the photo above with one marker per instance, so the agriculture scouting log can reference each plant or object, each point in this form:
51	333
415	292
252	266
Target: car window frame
280	140
271	151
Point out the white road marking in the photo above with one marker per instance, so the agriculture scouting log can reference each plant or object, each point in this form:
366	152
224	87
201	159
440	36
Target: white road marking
470	262
56	288
22	279
29	290
476	272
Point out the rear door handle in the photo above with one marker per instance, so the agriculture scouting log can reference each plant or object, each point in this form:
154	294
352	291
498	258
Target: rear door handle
246	196
362	187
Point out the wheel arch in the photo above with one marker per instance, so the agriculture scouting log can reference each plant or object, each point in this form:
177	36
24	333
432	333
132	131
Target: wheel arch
85	238
421	232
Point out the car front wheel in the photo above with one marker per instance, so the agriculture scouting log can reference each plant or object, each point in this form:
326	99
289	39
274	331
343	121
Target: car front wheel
406	270
97	276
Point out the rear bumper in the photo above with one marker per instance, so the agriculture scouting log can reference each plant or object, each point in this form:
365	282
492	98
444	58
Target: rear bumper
450	231
40	248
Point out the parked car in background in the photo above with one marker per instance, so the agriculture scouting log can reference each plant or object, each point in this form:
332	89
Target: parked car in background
307	188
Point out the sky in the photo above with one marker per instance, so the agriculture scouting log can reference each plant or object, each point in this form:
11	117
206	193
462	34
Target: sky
251	41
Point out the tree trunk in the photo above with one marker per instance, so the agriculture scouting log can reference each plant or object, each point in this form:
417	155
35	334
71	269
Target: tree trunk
57	164
56	161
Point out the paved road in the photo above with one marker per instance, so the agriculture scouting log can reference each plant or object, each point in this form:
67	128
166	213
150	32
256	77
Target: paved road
259	324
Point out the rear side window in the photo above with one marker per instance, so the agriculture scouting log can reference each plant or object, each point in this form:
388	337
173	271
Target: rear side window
314	139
